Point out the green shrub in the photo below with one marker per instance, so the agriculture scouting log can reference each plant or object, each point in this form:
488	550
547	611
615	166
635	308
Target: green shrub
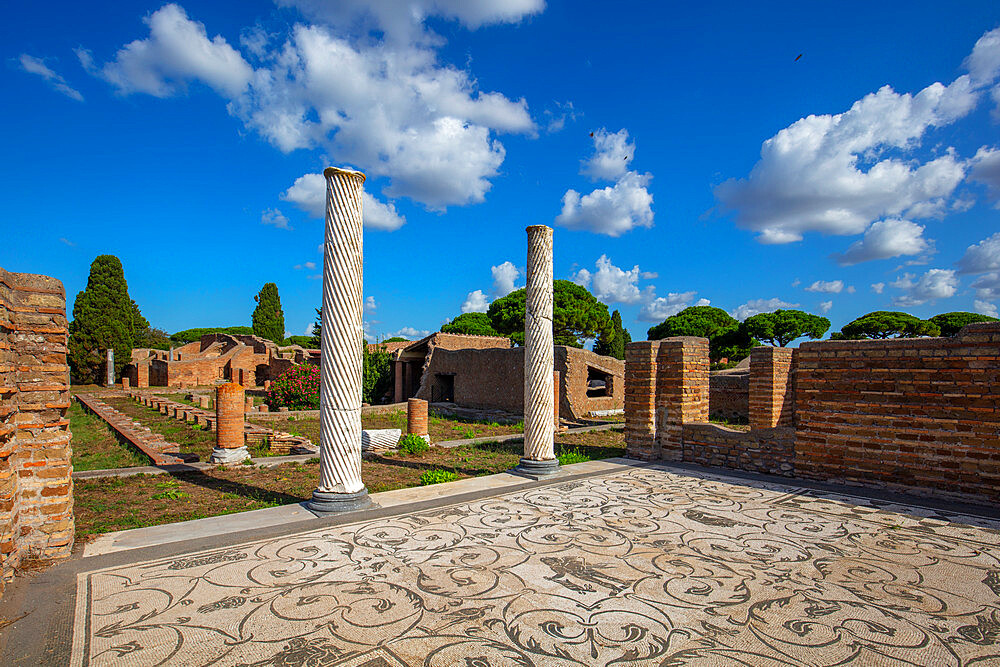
437	477
569	456
295	389
413	444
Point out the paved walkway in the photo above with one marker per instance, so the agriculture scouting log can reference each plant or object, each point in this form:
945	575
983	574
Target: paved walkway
630	566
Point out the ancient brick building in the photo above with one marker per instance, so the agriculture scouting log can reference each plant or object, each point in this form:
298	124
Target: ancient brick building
486	372
248	360
909	414
36	487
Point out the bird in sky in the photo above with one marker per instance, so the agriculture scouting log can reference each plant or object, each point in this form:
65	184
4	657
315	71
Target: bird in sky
797	58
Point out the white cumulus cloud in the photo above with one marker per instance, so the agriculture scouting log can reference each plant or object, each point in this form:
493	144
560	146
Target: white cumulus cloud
825	306
981	257
370	305
662	307
504	277
612	210
476	302
177	50
387	106
827	286
757	306
985	308
987	287
836	174
885	239
274	217
986	169
33	65
933	285
613	153
610	283
878	288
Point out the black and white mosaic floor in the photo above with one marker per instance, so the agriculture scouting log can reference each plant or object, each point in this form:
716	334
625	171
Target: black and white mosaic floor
641	567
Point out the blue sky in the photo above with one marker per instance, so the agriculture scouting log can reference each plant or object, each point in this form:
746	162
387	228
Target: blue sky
186	138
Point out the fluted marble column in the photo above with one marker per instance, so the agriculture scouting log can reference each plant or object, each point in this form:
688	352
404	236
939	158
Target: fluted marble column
539	451
341	335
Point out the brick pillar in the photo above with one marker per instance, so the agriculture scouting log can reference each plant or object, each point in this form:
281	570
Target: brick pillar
640	400
681	391
230	444
249	404
124	384
36	487
416	418
771	389
398	371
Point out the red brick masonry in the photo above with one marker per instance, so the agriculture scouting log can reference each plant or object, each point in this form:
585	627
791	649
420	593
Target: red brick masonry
36	487
909	414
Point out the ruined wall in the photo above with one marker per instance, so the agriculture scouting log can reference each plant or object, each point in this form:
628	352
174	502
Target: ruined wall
729	395
572	364
770	451
485	378
919	413
36	500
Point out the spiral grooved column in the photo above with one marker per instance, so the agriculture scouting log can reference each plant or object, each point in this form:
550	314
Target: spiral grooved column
230	444
341	336
539	451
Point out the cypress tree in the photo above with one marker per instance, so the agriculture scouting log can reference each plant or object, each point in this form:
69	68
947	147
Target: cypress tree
103	317
612	343
268	318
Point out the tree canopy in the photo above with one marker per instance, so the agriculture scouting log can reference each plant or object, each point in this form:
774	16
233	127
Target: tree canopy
887	324
951	323
268	318
103	317
726	338
476	324
613	343
576	315
783	326
396	339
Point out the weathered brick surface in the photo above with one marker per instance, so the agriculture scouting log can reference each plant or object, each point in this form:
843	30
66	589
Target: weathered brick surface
911	414
640	400
416	416
36	499
681	391
229	404
729	395
772	392
916	415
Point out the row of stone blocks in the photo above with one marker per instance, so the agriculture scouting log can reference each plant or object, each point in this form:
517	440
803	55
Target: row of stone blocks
278	442
151	444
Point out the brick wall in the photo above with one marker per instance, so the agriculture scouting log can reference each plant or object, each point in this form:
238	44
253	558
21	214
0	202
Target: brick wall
729	395
36	500
919	413
573	366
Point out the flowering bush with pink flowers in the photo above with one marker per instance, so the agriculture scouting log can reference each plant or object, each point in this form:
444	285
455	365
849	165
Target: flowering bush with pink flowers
295	389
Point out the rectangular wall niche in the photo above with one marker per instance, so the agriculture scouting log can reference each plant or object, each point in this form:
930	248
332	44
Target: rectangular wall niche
598	383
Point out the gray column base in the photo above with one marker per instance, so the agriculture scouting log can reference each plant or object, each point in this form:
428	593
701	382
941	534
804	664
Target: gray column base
237	455
536	469
323	503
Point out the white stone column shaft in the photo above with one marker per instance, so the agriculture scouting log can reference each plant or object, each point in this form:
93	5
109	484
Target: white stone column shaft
110	366
341	335
538	352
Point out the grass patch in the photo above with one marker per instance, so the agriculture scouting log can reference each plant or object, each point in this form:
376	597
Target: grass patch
191	440
120	503
96	446
412	445
438	476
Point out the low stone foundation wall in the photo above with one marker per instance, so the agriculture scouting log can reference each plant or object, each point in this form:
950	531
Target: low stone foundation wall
770	451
